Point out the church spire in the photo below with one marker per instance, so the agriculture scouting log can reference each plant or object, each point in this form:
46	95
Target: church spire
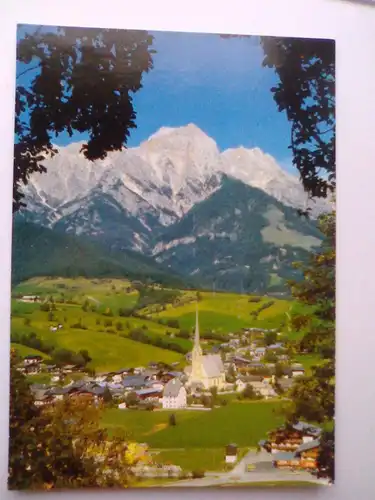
196	339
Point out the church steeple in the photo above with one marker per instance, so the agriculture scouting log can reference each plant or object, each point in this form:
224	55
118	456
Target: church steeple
197	351
196	338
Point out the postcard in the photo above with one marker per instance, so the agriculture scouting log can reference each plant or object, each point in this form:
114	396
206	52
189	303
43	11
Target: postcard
173	260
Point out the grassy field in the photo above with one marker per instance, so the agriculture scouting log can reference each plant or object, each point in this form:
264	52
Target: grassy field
24	351
227	312
198	440
244	424
100	335
307	360
108	351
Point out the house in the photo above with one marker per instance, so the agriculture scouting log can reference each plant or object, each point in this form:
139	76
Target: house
32	369
154	384
68	368
308	454
101	377
42	397
149	394
231	452
241	362
242	382
30	298
150	374
134	382
31	359
305	457
263	388
285	384
174	395
297	370
259	352
276	346
286	460
290	437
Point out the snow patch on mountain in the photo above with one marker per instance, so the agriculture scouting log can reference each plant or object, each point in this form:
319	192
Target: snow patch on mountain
162	178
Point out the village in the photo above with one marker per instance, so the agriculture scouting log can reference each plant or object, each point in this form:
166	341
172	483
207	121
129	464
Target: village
245	367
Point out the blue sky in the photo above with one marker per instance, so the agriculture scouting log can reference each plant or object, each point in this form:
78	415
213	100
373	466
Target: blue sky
218	84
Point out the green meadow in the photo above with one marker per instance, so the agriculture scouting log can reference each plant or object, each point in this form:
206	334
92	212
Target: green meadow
104	332
227	312
241	423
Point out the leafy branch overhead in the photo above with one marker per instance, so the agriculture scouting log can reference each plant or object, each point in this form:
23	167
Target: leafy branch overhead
306	92
81	80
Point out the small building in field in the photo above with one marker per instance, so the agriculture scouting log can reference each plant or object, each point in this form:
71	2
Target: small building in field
297	370
31	359
174	395
231	452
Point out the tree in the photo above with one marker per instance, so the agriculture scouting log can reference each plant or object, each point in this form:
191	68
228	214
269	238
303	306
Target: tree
119	326
82	79
279	369
131	399
306	92
312	397
23	443
172	420
107	396
59	446
249	392
85	354
270	338
213	391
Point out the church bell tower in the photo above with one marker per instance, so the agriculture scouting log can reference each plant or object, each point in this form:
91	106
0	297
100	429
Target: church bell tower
196	360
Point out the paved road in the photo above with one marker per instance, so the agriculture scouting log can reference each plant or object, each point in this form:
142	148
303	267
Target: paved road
264	471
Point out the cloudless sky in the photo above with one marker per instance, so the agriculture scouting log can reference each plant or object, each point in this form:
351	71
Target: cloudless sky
217	83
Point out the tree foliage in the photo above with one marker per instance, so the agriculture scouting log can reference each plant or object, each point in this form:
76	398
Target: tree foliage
82	80
306	92
61	445
312	398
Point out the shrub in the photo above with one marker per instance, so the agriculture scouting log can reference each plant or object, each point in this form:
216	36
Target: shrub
108	322
198	474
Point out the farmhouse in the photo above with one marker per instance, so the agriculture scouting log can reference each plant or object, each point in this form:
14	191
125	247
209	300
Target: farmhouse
305	457
207	370
30	298
290	437
148	394
31	359
174	395
134	382
297	370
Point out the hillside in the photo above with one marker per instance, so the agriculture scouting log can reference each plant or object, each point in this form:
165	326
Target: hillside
239	239
39	251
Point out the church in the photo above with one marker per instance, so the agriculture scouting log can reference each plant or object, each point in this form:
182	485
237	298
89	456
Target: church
205	370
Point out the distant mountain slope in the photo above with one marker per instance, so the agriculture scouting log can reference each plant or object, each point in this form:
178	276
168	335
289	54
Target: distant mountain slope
41	251
148	187
240	238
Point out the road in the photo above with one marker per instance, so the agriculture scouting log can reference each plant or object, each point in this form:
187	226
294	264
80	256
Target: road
264	471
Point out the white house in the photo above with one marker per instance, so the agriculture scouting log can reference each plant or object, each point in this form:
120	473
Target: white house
174	395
